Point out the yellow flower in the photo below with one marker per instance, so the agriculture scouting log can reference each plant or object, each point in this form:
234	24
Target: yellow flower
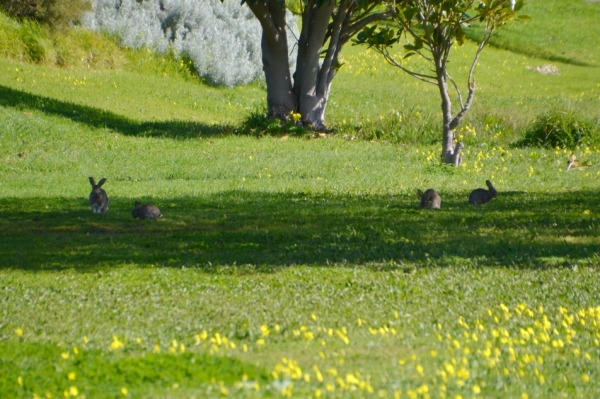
265	330
71	376
19	332
223	390
73	391
295	116
116	343
124	391
476	389
585	378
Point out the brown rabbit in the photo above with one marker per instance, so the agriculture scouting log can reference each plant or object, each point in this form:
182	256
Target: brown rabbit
147	211
430	199
98	198
482	196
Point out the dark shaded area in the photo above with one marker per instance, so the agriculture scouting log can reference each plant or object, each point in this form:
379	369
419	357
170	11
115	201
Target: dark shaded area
99	118
263	232
475	34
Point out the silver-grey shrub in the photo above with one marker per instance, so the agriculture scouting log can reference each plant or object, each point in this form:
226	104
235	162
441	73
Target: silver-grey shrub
221	38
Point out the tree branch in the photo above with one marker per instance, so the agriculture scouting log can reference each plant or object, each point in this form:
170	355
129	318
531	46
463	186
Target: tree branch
471	81
263	14
392	61
332	50
460	100
358	25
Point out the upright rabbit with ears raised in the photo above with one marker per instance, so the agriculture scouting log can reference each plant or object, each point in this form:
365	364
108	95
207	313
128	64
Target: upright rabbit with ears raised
482	196
430	199
98	198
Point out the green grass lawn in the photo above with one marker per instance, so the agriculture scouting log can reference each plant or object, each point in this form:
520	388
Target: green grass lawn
289	265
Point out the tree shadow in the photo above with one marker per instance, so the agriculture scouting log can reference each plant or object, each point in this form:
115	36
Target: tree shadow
248	232
99	118
475	36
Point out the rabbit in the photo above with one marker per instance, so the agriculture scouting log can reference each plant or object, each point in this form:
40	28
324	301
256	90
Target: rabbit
482	196
430	199
147	211
98	197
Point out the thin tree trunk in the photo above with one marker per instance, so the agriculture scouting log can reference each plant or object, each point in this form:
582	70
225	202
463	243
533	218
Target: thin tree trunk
448	133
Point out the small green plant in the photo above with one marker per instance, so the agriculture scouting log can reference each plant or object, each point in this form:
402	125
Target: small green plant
257	124
560	128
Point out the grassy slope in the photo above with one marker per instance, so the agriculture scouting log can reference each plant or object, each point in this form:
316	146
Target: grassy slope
551	33
308	250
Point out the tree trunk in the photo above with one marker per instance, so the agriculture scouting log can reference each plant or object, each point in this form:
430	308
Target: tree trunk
328	25
312	98
281	100
451	153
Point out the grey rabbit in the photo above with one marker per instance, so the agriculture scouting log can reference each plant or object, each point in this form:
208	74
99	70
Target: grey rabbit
482	196
147	211
98	197
430	199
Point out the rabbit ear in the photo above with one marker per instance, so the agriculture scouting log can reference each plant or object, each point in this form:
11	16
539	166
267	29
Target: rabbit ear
92	182
420	193
137	204
101	182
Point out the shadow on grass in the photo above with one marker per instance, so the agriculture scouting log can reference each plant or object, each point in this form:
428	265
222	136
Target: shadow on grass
99	118
246	232
475	36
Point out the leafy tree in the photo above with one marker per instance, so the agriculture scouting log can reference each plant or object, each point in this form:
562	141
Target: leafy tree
326	26
429	28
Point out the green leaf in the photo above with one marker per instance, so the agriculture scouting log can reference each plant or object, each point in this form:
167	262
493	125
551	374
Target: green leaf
409	54
418	43
519	5
524	18
409	13
460	36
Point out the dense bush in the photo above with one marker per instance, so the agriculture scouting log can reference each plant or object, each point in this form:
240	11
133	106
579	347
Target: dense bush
53	13
222	39
560	128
